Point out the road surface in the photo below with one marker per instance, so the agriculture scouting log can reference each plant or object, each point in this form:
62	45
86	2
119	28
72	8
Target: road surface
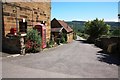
72	60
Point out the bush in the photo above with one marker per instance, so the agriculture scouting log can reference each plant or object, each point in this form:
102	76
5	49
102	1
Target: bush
33	41
96	29
83	35
63	38
50	44
74	36
79	34
58	41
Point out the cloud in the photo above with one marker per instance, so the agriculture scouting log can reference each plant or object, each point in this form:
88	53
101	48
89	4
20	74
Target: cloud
115	20
107	20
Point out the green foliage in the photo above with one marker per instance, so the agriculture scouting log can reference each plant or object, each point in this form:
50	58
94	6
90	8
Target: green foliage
80	34
50	44
63	38
58	41
34	36
74	36
33	41
83	35
115	32
77	26
96	28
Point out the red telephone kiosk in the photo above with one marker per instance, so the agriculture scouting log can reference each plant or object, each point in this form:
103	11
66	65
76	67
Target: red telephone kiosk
42	29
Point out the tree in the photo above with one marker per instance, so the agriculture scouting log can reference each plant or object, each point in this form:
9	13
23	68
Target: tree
96	29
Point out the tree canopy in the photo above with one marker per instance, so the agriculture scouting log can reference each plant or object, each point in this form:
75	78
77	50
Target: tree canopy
96	28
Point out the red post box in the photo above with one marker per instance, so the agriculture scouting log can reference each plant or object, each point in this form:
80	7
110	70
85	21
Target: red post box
42	30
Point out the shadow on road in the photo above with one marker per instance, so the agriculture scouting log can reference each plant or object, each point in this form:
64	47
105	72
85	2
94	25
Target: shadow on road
84	41
105	57
108	58
6	53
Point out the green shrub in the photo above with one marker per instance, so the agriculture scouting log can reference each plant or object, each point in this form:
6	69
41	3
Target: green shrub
33	41
50	44
85	36
96	29
63	38
79	34
74	36
58	41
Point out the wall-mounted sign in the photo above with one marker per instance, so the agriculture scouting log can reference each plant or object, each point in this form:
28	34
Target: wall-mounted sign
23	19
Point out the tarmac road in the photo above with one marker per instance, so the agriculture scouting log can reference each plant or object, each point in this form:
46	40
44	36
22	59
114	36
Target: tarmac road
72	60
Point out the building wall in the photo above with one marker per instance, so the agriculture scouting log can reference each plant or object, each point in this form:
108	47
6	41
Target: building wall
33	12
70	37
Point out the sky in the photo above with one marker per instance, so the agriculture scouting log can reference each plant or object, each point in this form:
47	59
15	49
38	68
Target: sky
84	11
85	0
119	7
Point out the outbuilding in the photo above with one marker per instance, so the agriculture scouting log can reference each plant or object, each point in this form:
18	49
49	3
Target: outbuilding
59	27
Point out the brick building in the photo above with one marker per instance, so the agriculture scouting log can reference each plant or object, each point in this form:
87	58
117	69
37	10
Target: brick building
32	12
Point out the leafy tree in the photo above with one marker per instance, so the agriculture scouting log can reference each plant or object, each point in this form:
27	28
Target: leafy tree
96	29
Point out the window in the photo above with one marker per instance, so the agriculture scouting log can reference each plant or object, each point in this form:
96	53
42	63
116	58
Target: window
23	26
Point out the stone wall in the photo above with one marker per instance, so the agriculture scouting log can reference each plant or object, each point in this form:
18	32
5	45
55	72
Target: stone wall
107	44
33	12
70	37
11	45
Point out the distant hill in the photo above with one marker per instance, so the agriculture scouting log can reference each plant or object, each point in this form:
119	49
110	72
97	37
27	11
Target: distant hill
78	25
113	24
